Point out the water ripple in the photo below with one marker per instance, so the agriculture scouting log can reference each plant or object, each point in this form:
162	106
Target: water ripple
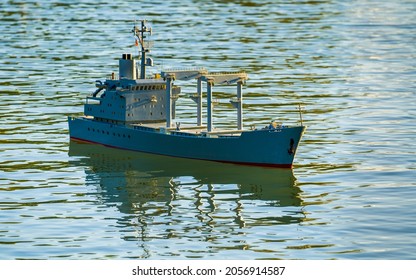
351	194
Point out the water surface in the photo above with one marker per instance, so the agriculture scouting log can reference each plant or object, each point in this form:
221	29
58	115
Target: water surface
351	194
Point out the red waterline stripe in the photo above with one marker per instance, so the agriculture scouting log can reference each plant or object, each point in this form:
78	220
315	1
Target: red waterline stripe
233	162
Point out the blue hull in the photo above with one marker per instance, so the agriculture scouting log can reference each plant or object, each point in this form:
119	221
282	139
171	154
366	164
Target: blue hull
274	148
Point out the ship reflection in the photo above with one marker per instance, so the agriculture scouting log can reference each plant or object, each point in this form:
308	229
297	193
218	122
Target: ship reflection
143	185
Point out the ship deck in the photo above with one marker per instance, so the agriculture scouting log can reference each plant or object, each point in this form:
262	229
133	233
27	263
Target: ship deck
185	130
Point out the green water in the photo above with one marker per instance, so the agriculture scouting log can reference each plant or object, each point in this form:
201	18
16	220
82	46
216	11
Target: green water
351	194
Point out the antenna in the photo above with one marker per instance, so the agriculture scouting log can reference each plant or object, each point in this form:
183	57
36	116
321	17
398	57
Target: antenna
300	114
144	46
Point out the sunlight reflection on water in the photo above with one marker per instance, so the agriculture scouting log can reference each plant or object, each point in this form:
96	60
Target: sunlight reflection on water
351	193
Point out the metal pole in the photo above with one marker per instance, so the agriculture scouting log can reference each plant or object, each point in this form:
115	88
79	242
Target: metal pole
209	104
143	57
199	102
169	84
240	105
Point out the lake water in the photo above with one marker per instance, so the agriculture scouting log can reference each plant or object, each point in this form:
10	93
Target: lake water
352	191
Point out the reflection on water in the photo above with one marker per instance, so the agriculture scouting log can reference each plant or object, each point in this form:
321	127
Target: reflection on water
161	197
350	63
134	178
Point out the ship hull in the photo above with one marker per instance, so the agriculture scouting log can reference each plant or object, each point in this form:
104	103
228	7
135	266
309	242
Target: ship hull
273	148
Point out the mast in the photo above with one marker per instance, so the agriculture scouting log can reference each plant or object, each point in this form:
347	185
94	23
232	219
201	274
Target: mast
140	34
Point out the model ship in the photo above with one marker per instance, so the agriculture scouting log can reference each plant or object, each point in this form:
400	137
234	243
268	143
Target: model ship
137	112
